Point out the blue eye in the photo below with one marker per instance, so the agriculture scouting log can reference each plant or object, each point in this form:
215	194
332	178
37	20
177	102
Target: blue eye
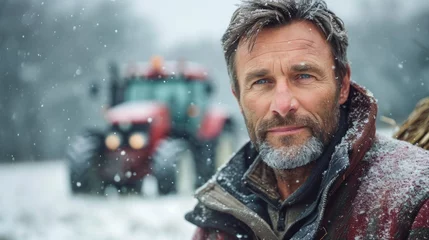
262	81
304	76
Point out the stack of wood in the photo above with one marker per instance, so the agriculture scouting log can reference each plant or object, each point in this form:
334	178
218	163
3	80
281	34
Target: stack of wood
416	128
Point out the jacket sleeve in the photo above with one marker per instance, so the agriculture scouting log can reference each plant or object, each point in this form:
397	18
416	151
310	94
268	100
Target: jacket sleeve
211	234
420	227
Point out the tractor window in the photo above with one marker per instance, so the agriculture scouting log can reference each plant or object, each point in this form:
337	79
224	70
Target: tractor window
187	100
199	94
154	90
175	93
139	91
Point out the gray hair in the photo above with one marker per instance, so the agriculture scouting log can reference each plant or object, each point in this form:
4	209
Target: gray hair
254	15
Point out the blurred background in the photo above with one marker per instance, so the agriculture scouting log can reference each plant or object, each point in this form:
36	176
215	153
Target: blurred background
52	52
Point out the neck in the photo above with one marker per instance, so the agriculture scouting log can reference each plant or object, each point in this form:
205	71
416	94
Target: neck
288	181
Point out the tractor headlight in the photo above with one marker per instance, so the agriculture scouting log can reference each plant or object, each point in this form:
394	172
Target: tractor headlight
137	140
113	141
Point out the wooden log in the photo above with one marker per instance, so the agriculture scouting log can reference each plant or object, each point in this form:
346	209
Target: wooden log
416	128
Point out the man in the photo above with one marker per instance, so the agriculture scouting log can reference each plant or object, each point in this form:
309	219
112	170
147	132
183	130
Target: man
314	167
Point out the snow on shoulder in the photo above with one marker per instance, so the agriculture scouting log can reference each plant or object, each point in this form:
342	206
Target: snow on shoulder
397	176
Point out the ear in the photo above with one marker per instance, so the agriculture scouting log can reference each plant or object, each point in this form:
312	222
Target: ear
234	93
237	97
345	87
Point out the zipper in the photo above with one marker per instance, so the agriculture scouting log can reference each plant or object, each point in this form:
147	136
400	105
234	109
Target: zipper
325	193
325	199
281	224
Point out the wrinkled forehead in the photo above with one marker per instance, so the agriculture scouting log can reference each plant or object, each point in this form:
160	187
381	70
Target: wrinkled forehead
297	38
296	35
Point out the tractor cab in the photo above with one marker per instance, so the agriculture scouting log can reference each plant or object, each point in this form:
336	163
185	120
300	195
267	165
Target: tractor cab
181	86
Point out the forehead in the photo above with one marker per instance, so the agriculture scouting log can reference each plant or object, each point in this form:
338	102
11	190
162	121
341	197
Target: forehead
297	38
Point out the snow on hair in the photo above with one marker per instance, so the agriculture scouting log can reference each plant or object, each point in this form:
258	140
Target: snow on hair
254	15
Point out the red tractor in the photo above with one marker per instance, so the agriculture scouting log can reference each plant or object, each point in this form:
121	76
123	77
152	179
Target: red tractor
158	111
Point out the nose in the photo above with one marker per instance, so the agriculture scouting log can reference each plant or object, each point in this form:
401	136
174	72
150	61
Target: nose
283	101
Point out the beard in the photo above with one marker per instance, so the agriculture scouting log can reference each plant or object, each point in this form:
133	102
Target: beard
291	154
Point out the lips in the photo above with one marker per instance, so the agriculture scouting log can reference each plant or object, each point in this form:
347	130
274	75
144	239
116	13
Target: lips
285	130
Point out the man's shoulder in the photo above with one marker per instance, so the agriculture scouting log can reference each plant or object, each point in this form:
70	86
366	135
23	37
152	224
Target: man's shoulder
396	160
393	185
397	173
223	189
388	150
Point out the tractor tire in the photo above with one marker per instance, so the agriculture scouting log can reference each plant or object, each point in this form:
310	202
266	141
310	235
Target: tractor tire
165	162
134	188
83	154
226	144
212	154
205	165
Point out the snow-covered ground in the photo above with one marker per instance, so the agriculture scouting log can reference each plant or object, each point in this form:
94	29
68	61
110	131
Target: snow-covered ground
35	204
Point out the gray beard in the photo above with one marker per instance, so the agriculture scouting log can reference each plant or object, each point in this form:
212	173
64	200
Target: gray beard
290	157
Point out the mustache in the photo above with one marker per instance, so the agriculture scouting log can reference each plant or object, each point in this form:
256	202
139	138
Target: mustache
288	120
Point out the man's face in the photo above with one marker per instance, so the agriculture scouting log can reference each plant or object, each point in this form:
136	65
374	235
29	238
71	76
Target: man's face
288	94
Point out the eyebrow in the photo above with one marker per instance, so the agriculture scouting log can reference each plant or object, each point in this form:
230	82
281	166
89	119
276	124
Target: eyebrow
305	67
259	73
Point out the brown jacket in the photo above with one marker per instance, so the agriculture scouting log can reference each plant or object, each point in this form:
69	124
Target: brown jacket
374	188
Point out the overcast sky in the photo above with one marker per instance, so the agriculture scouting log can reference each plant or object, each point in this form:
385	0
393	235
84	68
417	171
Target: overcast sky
184	20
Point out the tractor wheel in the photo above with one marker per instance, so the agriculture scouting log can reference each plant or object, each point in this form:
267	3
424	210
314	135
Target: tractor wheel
225	147
165	161
83	155
212	154
134	188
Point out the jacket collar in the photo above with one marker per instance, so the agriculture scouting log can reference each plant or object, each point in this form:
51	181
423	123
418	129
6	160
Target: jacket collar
361	133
